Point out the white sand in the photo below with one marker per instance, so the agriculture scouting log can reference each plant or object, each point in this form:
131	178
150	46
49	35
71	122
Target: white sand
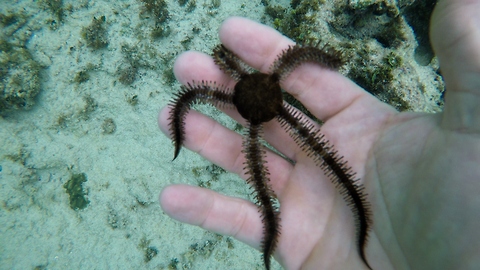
126	170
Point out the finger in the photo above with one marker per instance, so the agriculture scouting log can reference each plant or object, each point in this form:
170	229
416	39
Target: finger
455	35
324	92
223	147
195	66
214	212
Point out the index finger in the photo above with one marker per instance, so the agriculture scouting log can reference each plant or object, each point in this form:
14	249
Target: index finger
324	92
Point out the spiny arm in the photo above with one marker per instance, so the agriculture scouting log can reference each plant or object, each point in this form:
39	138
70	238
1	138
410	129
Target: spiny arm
189	95
296	55
335	167
258	179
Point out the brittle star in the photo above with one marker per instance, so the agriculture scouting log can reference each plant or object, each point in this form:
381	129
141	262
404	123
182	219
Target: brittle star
258	99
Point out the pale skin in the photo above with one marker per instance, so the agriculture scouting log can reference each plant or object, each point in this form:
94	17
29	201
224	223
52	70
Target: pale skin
421	171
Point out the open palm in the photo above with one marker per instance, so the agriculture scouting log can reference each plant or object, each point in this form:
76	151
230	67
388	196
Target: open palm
421	171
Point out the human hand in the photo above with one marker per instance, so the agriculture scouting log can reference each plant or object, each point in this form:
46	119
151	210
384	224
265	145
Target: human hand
420	170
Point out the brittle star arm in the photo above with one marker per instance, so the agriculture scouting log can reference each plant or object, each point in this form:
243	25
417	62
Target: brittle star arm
258	179
230	63
326	157
295	55
189	95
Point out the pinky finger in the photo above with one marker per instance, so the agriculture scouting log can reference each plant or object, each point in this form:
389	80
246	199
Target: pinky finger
214	212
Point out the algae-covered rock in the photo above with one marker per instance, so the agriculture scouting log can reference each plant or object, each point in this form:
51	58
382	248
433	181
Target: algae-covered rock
385	44
96	34
74	188
19	71
19	77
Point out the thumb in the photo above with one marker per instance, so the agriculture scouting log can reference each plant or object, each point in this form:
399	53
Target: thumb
455	36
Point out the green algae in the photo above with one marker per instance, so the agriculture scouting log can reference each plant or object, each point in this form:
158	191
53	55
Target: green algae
74	188
96	34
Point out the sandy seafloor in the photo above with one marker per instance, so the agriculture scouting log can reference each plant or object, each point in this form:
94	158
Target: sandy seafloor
123	226
63	135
